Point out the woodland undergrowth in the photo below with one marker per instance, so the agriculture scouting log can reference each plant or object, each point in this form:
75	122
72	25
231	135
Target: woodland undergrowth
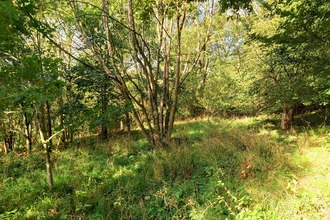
244	168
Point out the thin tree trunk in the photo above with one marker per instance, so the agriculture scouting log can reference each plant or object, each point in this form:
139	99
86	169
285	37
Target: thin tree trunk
5	149
61	123
8	134
48	161
177	75
141	58
3	133
104	103
49	123
125	123
44	129
10	140
27	132
119	80
49	170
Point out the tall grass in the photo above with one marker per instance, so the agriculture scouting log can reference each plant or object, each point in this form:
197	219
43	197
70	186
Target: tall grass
218	169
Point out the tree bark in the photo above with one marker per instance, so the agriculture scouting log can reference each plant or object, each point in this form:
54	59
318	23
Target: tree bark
125	124
44	129
5	149
63	140
104	107
173	109
3	131
7	134
49	123
27	131
286	118
48	160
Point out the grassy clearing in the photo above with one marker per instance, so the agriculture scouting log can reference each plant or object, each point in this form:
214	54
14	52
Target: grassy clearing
235	169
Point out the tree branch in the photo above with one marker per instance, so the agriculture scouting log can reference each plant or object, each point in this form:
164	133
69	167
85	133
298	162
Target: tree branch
51	137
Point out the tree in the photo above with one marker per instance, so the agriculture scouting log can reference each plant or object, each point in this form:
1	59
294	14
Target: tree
296	54
232	68
140	46
29	76
104	107
147	70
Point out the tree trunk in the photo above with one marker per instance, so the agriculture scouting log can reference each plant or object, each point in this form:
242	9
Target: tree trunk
176	77
151	85
5	149
104	103
7	134
49	168
286	118
49	123
9	140
125	124
44	129
3	133
63	140
48	161
27	132
104	132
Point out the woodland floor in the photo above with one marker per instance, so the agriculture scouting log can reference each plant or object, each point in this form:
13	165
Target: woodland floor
238	168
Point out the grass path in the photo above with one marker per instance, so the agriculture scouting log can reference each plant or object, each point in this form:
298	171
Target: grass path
315	186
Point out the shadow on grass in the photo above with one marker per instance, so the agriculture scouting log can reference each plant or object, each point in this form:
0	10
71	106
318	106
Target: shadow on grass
277	160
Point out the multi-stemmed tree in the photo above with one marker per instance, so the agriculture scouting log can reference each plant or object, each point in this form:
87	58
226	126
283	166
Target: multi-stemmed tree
138	45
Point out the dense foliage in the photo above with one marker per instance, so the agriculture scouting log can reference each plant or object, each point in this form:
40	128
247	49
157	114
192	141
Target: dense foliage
70	70
294	42
101	67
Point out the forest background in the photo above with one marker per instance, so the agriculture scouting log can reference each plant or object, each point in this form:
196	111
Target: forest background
75	70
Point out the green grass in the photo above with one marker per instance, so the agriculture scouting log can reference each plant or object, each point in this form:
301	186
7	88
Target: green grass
244	168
